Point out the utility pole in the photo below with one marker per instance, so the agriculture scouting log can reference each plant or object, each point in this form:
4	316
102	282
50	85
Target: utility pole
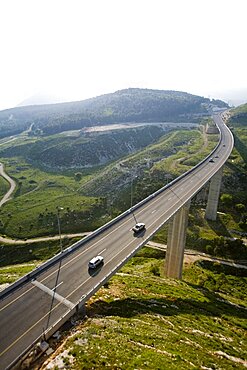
59	228
131	190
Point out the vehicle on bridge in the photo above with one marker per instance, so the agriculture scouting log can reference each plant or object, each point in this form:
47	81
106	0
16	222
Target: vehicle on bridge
138	227
95	262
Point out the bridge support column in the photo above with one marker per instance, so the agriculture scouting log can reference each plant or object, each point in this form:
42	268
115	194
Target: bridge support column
213	196
176	243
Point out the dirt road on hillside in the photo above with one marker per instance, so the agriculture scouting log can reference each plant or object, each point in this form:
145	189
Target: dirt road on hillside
7	240
190	256
12	183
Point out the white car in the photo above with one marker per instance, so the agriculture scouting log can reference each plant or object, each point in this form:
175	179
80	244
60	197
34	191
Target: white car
138	227
95	262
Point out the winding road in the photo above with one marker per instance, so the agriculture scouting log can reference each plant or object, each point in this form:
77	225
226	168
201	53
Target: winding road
12	183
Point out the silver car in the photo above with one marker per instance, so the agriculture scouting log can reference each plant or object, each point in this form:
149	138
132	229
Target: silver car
138	227
95	262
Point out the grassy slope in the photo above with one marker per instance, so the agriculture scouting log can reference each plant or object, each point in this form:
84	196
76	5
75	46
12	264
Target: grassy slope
139	163
18	259
240	109
238	116
4	186
235	171
33	210
143	321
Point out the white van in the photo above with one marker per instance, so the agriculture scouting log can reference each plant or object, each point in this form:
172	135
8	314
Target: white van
95	262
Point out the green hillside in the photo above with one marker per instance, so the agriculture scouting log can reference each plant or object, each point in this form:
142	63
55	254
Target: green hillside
142	320
130	105
237	164
239	115
91	196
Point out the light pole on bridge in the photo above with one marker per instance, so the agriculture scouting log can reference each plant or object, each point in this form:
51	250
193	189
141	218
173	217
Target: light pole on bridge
59	228
131	190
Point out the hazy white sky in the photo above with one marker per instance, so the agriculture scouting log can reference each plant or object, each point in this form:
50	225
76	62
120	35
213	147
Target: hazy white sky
78	49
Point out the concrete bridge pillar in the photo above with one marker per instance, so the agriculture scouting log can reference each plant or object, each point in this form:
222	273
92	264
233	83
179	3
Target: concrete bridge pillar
176	242
213	196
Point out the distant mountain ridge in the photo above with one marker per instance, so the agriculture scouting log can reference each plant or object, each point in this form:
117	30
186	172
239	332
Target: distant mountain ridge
128	105
40	99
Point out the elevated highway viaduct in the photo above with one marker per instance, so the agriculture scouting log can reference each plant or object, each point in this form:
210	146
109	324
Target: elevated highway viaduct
35	306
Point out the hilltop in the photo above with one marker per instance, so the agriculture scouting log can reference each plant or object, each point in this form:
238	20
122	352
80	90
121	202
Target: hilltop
129	105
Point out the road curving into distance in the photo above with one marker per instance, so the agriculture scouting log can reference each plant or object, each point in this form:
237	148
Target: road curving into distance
34	307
